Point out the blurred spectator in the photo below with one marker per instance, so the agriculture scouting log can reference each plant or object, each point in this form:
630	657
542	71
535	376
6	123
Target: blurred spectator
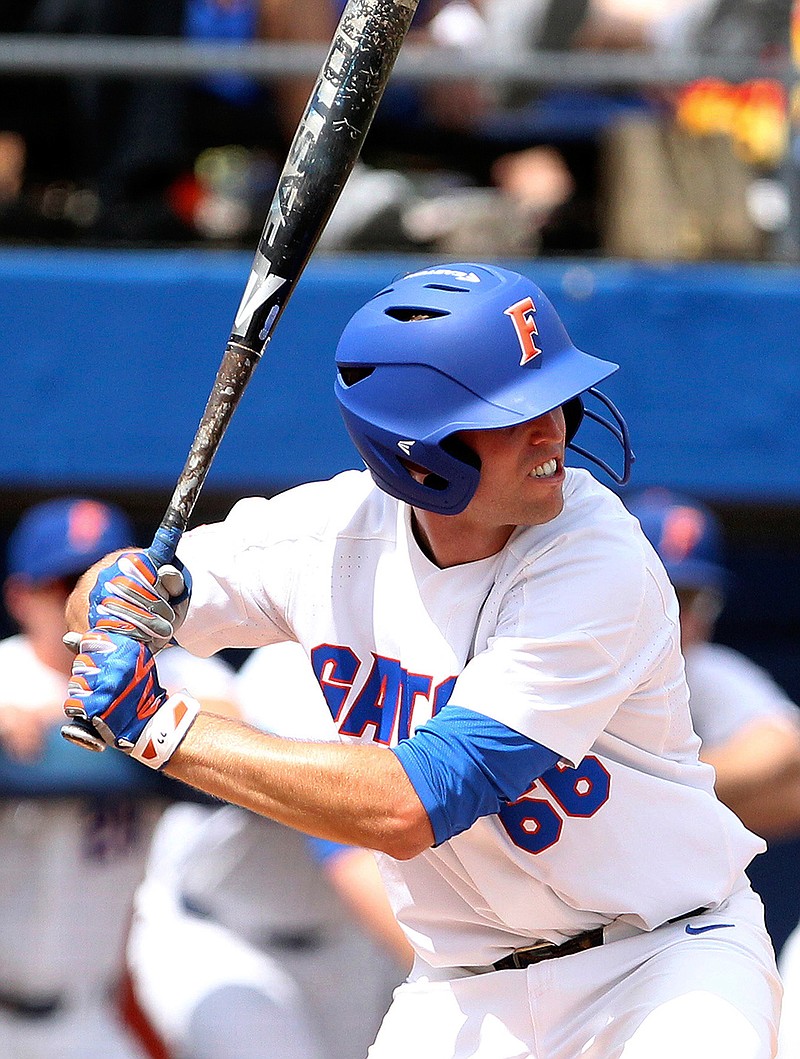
637	174
252	940
237	131
719	27
700	179
749	727
70	822
430	179
460	169
150	159
12	166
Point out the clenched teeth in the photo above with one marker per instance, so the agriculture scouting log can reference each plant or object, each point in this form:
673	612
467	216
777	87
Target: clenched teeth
545	470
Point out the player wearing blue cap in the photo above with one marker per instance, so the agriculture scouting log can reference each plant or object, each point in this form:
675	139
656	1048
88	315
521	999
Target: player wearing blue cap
498	645
69	821
749	726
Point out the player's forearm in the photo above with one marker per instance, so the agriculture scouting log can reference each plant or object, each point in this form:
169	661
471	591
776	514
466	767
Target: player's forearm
357	795
758	777
773	816
768	803
355	876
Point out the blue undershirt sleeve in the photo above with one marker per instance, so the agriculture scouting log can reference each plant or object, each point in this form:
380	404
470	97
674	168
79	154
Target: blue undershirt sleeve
324	850
464	766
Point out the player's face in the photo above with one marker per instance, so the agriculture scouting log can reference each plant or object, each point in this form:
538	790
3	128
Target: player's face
700	609
522	477
522	472
38	609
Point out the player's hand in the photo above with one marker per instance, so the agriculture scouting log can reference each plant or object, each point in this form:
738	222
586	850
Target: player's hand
115	687
23	729
135	598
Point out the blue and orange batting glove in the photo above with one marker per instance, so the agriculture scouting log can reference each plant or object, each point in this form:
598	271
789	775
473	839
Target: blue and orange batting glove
134	597
115	687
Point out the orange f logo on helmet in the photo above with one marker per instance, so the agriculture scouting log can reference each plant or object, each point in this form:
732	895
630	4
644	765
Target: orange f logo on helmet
522	317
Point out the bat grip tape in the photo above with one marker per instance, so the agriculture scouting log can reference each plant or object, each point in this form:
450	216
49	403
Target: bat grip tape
165	544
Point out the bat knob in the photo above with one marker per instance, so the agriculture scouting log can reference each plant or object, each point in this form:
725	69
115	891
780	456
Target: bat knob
82	735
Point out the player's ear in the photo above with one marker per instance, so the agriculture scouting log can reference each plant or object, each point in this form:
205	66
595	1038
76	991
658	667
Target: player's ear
417	472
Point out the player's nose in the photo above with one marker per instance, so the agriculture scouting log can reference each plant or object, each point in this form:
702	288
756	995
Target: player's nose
546	428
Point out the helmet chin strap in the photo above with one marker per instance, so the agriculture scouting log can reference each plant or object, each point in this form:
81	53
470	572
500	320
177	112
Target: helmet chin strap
619	428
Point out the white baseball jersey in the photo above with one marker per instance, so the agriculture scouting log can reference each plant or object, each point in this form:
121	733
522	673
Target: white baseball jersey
728	691
235	905
55	851
568	635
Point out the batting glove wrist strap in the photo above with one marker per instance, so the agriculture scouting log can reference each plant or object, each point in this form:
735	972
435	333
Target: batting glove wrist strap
164	732
115	686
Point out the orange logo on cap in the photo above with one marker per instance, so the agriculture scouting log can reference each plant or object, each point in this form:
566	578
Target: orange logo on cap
88	521
683	528
522	314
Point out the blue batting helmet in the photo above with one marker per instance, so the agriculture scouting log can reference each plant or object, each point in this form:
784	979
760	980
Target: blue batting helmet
686	535
459	347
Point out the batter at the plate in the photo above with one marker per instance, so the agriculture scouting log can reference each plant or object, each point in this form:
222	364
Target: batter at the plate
498	646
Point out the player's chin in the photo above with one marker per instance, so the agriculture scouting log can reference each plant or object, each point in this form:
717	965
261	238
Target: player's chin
555	508
545	501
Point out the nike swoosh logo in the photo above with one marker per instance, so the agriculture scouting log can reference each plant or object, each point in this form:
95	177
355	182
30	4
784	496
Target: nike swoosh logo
711	926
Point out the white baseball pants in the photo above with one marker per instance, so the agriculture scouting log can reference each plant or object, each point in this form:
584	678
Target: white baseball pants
711	993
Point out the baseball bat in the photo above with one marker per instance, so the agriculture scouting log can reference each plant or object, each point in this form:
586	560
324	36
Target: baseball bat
324	149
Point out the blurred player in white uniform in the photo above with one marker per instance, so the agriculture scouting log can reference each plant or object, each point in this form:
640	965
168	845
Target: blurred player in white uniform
498	645
69	822
789	963
249	938
749	726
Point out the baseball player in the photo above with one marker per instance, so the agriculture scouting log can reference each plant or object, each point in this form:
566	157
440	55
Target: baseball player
498	645
750	728
69	822
243	927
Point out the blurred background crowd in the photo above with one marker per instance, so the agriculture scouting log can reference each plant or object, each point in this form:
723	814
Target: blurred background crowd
637	163
633	131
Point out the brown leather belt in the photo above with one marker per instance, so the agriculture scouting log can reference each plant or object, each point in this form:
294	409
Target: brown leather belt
544	950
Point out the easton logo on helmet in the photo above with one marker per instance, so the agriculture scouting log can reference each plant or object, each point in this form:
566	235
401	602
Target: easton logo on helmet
522	317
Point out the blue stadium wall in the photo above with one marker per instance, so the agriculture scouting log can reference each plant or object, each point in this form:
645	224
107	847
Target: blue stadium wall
108	358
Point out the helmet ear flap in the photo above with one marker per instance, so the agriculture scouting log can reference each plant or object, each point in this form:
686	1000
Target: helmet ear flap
573	416
459	450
